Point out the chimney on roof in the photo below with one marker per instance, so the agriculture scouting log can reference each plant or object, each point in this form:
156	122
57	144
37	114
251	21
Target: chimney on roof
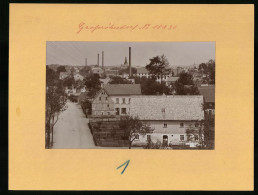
85	61
102	59
98	59
130	72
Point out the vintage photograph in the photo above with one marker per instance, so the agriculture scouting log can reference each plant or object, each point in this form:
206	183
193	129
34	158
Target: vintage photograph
130	95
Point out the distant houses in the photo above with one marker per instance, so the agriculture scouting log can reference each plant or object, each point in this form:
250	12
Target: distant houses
97	70
78	77
170	117
143	72
63	75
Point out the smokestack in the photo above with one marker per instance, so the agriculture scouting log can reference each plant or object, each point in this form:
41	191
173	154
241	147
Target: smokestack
98	59
102	59
130	72
85	61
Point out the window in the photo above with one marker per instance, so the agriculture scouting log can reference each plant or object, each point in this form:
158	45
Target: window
137	136
106	98
117	100
129	100
165	125
117	111
108	113
102	113
181	124
182	137
148	137
123	110
163	110
108	105
196	124
196	138
210	112
99	98
123	100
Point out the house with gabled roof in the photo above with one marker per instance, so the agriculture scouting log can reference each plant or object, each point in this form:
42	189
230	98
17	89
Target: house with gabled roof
114	99
169	117
208	92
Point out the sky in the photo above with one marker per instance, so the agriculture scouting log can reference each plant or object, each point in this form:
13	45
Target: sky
177	53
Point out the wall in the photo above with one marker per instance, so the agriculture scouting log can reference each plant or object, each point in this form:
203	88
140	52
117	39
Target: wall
173	131
101	106
121	105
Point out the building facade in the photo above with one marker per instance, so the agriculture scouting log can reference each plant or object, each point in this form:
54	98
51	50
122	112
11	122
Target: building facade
102	104
114	99
170	117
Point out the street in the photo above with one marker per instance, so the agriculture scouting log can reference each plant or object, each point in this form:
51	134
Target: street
72	130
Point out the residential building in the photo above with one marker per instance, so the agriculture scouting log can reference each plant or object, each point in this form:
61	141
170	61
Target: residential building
104	81
97	70
170	81
77	77
110	73
208	92
143	72
169	117
114	99
63	75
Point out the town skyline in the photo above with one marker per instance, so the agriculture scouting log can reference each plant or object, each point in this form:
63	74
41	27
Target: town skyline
178	53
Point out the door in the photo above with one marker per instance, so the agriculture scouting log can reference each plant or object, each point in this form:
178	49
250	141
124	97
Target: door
165	140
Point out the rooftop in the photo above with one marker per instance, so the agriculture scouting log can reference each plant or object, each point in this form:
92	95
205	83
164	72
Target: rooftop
123	89
178	107
142	71
172	79
208	92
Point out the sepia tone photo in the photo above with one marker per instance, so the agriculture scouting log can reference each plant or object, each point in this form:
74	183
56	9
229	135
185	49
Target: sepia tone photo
130	95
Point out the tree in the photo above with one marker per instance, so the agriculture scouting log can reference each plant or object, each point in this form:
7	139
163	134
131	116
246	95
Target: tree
93	84
119	80
211	71
51	77
202	68
185	85
55	103
208	131
85	71
150	86
158	66
69	81
194	133
60	69
133	127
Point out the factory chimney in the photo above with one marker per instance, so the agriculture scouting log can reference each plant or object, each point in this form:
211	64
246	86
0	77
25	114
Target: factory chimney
98	59
130	72
85	61
102	59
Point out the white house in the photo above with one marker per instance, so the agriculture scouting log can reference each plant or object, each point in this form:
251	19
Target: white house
169	116
77	77
63	75
143	72
114	99
97	70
